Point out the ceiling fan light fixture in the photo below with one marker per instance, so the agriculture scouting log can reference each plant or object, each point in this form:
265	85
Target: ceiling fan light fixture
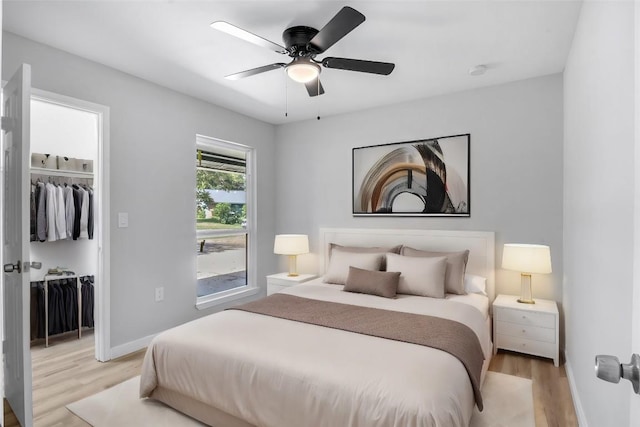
303	70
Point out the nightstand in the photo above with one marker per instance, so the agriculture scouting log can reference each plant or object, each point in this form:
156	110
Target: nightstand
277	282
526	328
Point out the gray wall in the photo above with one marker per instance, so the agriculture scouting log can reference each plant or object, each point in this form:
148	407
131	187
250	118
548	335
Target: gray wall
153	133
516	168
598	209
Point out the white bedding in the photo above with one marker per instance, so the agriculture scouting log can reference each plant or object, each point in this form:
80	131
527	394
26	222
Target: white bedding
317	289
273	372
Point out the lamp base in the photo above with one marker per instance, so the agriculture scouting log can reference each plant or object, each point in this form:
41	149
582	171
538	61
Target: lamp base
526	296
292	266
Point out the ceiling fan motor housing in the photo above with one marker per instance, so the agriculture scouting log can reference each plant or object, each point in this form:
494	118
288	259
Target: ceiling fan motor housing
297	38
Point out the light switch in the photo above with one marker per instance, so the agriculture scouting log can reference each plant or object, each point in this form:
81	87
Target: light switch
123	220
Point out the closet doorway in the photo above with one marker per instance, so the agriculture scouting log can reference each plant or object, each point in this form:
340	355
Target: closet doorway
69	223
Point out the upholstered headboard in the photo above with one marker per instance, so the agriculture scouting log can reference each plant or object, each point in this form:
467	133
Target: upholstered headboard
481	245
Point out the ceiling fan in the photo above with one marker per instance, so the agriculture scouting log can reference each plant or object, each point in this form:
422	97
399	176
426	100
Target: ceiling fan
303	44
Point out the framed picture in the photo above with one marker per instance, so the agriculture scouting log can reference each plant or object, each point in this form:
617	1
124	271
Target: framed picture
427	177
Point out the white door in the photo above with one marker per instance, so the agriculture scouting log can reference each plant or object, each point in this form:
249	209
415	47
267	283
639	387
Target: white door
15	127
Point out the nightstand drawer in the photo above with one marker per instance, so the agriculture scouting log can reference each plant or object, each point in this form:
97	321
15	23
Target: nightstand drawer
524	317
526	331
523	345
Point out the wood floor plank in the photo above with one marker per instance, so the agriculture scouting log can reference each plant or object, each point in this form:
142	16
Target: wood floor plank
67	371
552	402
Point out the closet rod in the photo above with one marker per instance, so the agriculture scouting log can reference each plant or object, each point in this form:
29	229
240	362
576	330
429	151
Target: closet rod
58	172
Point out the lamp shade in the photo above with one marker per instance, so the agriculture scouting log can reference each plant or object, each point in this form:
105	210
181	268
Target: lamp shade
291	244
526	258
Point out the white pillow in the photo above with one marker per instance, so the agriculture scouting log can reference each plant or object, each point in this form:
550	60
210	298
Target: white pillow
340	261
475	284
419	276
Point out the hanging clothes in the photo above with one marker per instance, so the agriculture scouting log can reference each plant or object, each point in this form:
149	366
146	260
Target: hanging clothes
70	210
60	212
77	203
84	215
88	296
63	310
41	214
52	236
90	225
61	221
32	214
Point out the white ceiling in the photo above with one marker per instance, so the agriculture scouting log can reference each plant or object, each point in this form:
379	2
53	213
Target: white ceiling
432	43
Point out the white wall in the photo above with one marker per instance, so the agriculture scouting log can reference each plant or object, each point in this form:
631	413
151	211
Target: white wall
516	168
153	132
598	208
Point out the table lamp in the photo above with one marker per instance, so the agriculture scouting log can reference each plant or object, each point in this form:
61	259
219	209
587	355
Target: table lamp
526	259
291	245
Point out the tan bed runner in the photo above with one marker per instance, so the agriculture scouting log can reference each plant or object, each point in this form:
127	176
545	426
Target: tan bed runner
443	334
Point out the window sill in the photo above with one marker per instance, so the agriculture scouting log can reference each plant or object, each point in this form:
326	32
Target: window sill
224	297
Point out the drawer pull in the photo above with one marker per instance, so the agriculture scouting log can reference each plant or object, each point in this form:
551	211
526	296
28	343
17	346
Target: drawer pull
524	331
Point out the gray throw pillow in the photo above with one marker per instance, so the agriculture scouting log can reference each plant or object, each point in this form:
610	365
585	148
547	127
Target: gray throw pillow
380	283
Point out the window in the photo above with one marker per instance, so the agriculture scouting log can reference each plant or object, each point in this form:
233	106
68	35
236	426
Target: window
223	225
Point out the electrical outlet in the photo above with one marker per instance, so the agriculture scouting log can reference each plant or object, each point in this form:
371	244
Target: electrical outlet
159	294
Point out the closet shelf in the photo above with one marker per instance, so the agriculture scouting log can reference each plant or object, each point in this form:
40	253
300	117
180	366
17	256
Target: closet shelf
58	172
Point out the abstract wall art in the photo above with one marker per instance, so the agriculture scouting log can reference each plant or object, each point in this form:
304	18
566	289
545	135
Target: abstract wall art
427	177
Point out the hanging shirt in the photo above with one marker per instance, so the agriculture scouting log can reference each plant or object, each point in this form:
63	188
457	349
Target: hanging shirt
41	214
77	203
69	210
61	222
51	212
32	212
90	224
84	214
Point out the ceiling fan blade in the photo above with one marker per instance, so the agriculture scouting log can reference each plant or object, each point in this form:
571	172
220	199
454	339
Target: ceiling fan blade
314	86
340	25
225	27
254	71
360	65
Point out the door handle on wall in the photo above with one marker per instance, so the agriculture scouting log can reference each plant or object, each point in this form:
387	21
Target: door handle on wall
610	369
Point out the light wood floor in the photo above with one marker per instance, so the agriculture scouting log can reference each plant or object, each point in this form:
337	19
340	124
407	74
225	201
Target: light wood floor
67	371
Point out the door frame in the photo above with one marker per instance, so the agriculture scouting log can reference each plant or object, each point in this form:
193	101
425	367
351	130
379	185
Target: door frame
102	318
634	407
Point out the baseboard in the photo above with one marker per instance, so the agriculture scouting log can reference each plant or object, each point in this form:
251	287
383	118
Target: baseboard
130	347
577	404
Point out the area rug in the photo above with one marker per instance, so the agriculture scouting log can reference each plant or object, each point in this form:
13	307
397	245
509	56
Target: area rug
508	402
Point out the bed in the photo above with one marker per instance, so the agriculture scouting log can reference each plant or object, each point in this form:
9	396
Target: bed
240	368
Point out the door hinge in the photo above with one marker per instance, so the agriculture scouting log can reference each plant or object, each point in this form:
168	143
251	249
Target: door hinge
8	123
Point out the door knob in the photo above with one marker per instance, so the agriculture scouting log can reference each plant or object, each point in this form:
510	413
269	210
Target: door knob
10	268
610	369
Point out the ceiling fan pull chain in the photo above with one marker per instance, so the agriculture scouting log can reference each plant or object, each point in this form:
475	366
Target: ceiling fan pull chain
286	97
318	97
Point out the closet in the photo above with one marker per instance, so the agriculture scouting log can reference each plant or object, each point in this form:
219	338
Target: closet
64	206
